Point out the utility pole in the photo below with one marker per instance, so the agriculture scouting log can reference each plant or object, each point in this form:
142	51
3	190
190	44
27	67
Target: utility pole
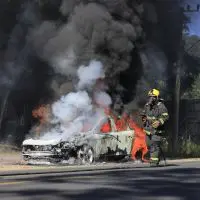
178	66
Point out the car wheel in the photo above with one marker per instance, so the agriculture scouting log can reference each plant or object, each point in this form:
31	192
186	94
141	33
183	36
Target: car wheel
85	155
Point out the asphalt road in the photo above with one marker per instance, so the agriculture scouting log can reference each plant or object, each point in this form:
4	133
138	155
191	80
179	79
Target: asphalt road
177	182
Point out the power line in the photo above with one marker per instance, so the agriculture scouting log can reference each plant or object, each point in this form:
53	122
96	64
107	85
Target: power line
193	45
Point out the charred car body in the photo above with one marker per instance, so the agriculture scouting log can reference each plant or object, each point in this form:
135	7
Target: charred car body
85	147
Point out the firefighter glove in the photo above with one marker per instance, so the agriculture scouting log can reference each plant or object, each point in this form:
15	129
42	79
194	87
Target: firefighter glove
156	124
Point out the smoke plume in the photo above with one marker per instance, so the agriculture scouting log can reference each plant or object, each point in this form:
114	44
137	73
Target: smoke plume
101	30
154	64
80	111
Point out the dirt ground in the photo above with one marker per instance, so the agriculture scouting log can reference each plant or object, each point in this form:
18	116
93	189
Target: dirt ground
10	158
12	161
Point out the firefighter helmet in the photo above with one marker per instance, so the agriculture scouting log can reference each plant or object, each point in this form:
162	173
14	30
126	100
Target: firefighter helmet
154	93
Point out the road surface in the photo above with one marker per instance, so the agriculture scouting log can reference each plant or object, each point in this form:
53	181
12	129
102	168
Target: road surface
175	182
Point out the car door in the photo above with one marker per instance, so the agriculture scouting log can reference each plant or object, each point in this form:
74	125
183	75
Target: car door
125	140
109	143
129	137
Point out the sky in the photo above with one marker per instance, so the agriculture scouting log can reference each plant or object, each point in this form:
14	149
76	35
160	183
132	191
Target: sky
194	27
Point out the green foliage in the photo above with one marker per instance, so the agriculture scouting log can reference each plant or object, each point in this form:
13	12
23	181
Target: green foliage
189	149
185	149
190	69
194	91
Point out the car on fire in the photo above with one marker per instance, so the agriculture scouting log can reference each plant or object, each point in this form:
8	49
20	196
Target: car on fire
84	147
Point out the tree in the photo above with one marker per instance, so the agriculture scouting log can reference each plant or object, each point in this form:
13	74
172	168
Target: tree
190	79
194	91
192	45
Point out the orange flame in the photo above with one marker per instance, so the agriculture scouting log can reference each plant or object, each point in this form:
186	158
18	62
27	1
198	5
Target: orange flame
41	113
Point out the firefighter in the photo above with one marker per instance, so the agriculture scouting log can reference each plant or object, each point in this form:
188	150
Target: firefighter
155	114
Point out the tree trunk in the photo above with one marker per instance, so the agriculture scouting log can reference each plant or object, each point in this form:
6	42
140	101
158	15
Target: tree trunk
176	107
3	107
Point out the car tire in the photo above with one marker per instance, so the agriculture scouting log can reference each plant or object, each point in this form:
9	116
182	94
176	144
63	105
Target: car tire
85	155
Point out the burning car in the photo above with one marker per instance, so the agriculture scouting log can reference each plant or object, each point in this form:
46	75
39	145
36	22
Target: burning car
84	147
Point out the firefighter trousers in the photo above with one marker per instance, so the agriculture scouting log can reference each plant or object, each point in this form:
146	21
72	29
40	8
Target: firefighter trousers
154	145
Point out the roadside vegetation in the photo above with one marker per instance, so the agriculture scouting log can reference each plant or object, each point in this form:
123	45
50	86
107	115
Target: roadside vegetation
186	148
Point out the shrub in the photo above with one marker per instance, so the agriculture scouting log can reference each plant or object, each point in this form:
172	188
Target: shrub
185	148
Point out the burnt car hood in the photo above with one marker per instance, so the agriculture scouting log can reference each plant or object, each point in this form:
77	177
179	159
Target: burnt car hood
38	142
41	142
94	133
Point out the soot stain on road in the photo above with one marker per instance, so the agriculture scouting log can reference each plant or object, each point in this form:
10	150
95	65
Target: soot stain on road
180	183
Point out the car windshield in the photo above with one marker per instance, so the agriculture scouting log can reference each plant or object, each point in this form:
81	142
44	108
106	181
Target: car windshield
95	128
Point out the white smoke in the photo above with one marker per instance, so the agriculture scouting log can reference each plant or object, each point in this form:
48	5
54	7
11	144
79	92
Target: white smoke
88	75
78	111
102	98
69	106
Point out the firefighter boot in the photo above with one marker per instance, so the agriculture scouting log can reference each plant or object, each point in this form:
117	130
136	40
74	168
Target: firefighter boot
154	154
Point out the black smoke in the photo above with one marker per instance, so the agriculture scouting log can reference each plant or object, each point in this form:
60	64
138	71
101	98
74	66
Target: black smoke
101	30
